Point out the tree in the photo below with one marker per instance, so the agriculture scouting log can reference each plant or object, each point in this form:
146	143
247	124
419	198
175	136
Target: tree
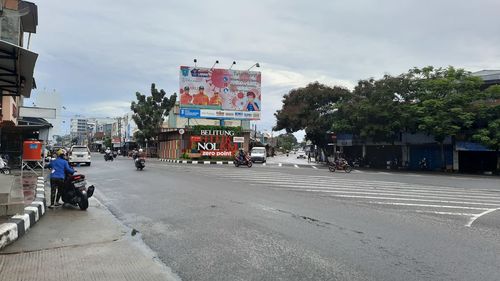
287	141
377	110
444	98
486	129
149	113
312	109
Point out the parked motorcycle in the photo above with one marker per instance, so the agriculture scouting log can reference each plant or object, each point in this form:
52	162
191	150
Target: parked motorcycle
115	154
76	192
140	163
4	167
243	162
108	157
340	165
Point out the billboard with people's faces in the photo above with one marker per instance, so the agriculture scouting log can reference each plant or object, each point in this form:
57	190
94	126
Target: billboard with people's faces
219	93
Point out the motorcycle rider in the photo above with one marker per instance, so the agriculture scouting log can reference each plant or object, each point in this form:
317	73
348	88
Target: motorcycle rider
60	167
241	155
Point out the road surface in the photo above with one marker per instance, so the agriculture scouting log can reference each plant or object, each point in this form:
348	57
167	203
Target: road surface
294	222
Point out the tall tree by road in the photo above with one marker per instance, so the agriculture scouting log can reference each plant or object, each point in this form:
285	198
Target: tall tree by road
444	102
312	109
149	112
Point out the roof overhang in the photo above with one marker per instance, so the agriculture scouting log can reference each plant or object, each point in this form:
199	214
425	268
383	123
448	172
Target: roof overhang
16	70
29	20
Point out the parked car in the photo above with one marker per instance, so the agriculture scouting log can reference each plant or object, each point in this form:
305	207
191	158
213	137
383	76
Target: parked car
79	154
258	154
301	155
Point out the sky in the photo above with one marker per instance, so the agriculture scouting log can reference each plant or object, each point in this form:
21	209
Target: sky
98	53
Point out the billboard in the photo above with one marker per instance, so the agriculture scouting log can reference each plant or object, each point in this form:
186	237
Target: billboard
220	93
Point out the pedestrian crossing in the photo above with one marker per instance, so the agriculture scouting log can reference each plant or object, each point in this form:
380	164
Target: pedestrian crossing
463	203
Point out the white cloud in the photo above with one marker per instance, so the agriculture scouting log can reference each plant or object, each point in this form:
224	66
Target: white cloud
93	50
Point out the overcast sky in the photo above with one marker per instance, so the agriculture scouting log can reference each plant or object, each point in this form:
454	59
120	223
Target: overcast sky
98	53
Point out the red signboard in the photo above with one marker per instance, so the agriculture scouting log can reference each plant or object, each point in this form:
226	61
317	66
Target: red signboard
195	138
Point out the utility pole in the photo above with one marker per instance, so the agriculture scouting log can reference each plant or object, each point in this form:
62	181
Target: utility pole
120	131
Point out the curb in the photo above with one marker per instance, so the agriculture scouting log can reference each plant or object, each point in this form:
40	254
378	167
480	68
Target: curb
196	162
18	225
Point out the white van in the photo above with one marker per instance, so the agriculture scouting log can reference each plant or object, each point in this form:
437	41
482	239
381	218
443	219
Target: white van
79	154
258	154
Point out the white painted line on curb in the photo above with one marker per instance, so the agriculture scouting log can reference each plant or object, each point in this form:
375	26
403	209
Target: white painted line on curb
314	167
296	166
473	219
40	203
426	205
279	164
25	218
263	164
11	229
34	209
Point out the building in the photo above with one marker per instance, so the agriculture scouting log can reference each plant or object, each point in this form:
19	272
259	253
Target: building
490	77
16	70
201	138
51	99
409	149
79	130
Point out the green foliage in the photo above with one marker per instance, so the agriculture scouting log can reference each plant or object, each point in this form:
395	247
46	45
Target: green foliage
441	102
377	110
287	141
149	112
107	142
312	109
486	128
444	98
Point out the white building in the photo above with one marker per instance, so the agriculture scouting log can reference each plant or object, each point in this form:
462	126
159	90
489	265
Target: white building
51	99
78	129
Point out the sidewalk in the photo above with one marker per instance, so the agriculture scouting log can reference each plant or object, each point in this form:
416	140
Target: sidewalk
69	244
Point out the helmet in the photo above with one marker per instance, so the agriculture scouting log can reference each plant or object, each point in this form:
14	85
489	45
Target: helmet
60	152
140	150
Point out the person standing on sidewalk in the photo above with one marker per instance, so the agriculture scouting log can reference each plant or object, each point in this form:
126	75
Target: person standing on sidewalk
60	167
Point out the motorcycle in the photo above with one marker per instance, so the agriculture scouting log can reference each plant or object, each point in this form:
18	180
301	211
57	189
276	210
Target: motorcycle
246	161
115	154
340	165
76	192
140	163
108	157
4	168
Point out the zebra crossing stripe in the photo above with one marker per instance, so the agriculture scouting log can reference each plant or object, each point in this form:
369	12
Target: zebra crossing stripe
428	205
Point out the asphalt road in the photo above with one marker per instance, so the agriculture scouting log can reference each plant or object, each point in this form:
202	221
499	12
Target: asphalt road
287	222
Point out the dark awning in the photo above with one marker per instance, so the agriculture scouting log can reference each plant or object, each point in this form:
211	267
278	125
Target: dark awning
16	69
29	20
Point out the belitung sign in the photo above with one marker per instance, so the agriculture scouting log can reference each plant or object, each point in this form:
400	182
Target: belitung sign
217	132
215	143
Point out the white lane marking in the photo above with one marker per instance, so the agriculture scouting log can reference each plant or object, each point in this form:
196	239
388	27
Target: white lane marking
279	164
296	166
412	199
346	185
415	189
384	193
314	167
426	205
263	164
474	218
445	213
